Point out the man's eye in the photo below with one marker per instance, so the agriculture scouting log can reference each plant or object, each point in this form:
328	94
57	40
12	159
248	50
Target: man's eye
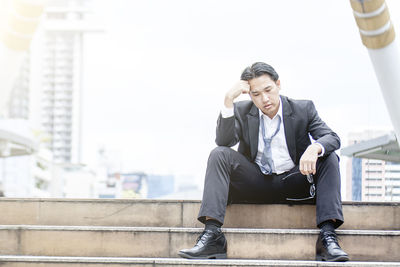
256	94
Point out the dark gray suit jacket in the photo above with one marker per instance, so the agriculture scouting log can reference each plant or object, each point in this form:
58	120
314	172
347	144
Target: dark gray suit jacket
300	119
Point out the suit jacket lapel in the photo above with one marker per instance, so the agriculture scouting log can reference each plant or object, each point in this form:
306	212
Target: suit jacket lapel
288	122
253	121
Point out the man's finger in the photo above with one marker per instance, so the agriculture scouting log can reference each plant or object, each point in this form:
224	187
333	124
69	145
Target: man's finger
303	168
314	167
307	166
245	88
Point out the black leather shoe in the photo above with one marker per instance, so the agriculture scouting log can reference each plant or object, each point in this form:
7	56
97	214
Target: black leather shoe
211	244
328	249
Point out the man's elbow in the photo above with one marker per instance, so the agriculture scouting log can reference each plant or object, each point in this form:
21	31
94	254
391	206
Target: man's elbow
225	142
338	142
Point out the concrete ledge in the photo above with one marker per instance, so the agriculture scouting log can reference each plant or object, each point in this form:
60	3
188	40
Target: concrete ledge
179	213
289	244
30	261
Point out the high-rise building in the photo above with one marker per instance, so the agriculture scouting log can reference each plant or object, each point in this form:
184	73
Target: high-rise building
18	106
48	92
371	179
61	45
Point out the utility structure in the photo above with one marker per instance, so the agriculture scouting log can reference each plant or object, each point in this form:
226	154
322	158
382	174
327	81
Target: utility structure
376	180
18	22
378	35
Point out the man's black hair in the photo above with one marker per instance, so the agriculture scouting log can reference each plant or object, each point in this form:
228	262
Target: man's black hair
258	69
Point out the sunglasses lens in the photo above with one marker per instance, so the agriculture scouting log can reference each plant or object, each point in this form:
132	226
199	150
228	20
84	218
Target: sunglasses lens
312	190
310	178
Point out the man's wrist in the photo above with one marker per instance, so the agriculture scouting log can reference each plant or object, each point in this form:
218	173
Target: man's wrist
321	150
227	112
228	102
315	147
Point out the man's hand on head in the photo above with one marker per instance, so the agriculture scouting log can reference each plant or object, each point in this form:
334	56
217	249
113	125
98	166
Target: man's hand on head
308	160
241	87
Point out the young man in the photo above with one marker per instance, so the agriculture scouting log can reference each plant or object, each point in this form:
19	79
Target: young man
276	162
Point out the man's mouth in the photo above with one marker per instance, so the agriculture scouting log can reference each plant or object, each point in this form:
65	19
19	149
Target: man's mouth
267	106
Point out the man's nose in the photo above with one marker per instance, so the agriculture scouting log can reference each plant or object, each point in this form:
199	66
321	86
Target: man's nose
265	97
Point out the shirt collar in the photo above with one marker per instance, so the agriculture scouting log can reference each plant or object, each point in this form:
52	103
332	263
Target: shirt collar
261	114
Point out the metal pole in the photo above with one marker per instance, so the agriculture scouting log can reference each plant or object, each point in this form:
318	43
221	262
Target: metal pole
378	35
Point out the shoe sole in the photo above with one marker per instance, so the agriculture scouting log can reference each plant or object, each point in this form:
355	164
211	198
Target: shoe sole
338	258
212	256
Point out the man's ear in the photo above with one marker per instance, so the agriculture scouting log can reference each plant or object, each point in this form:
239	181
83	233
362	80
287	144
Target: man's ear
278	83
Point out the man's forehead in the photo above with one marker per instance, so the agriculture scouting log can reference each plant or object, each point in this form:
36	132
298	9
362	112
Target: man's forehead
261	86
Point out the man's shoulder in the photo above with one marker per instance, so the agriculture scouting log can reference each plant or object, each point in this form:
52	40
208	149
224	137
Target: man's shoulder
301	103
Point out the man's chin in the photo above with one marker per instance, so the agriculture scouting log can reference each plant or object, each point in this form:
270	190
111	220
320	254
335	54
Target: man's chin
269	112
266	112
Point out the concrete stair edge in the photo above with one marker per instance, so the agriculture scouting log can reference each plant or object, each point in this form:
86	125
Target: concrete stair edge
150	242
177	261
146	200
194	230
183	213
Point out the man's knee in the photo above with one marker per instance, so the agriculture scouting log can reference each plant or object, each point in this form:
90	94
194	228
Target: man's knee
220	153
329	168
333	159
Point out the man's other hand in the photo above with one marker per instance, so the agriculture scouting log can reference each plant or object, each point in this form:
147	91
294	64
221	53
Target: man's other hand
308	160
241	87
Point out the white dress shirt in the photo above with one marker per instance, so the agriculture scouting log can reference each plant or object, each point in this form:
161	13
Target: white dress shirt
279	150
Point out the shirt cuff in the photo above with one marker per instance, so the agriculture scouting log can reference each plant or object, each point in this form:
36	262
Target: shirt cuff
322	148
227	112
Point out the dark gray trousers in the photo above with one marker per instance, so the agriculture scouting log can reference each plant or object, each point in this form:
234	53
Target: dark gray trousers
232	178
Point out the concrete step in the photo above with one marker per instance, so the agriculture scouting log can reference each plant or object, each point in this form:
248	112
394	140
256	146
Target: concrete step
178	213
32	261
155	242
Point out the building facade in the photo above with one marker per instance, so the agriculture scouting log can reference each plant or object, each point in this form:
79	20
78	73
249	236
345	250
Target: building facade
47	93
18	106
371	180
61	46
48	89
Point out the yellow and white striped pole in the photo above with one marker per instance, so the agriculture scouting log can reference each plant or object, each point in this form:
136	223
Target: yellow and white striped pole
378	35
18	24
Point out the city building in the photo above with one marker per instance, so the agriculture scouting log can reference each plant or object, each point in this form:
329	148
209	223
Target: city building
160	185
58	51
77	181
18	106
17	144
370	178
45	96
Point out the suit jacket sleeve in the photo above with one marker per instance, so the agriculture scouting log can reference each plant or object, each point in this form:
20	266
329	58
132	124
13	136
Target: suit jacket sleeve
228	131
320	132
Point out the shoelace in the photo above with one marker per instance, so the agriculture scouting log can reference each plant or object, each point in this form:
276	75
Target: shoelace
202	236
330	237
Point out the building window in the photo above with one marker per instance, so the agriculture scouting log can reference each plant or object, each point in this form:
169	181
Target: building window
373	195
55	15
374	163
392	186
392	195
373	171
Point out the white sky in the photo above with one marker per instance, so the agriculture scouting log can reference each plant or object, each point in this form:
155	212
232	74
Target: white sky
155	80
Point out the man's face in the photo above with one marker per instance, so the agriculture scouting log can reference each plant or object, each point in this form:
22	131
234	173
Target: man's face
265	94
